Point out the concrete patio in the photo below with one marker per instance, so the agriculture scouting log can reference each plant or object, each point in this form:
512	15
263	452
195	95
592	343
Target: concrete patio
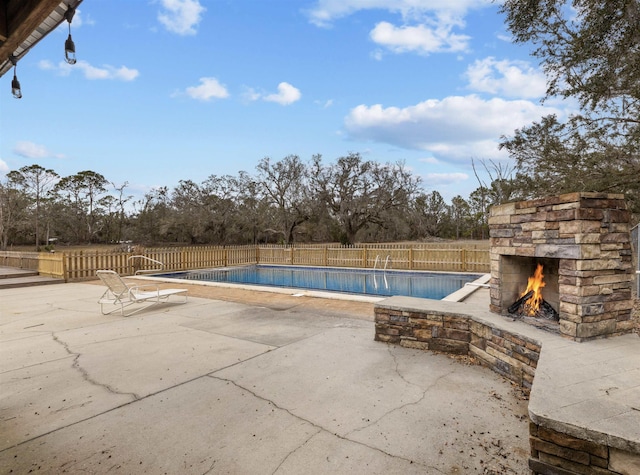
276	385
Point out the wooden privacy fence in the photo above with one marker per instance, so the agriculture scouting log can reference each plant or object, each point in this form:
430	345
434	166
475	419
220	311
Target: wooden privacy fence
82	265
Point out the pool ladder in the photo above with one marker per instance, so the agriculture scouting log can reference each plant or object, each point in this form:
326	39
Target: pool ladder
384	275
386	261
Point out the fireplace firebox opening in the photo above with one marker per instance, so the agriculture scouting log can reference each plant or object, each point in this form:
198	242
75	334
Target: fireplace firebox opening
582	241
516	272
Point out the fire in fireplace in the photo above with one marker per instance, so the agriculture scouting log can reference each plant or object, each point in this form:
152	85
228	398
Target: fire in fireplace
531	303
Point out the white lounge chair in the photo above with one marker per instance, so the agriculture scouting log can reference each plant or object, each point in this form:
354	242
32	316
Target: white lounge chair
120	294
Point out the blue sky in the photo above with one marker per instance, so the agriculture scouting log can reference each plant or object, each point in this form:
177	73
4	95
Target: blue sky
166	90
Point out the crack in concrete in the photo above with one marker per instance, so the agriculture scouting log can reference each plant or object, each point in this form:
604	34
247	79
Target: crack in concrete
408	404
85	374
313	424
293	451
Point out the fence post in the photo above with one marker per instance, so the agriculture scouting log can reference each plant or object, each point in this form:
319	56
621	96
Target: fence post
364	257
65	275
463	258
410	257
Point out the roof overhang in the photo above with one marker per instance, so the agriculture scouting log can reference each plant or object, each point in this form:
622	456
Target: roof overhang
23	23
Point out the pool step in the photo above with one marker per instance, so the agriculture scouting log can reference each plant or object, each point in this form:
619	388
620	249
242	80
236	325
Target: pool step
11	278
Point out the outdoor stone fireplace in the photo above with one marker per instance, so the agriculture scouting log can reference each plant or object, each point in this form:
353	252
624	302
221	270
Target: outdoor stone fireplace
582	241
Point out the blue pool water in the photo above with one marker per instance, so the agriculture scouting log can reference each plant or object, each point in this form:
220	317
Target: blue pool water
353	281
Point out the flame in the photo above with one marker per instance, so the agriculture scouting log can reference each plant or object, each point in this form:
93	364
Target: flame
535	283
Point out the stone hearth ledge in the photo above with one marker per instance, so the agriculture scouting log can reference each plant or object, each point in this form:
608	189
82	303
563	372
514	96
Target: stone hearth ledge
589	391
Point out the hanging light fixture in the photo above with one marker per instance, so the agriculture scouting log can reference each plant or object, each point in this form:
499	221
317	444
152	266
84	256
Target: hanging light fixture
69	45
15	84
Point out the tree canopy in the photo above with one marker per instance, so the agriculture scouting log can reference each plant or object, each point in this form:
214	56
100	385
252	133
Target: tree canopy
590	52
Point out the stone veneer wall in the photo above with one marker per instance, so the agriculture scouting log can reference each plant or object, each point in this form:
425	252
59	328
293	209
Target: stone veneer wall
515	357
589	234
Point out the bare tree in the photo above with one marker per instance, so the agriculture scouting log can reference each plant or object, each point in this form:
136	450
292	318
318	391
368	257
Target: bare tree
36	181
285	186
358	193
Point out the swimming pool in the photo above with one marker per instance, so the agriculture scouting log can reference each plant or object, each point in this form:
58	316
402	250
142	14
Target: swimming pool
370	282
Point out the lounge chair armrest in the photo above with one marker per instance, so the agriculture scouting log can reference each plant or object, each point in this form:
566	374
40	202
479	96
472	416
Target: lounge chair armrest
143	288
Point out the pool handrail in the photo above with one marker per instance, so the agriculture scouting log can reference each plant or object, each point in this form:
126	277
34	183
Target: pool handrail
139	271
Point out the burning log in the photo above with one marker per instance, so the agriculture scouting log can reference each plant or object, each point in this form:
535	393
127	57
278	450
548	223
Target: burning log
521	307
531	302
515	306
547	311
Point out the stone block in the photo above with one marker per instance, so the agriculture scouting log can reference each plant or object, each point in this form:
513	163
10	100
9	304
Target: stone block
449	346
593	214
570	227
482	356
416	345
572	204
618	306
571	442
599	265
552	225
590	251
495	233
386	338
572	468
615	238
559	451
562	215
380	316
626	326
398	318
455	321
619	228
533	226
558	251
619	216
499	219
478	342
542	235
422	334
568	328
525	210
595	329
625	463
451	334
483	331
505	209
611	278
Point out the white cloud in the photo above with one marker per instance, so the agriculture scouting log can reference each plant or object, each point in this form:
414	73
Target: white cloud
427	25
181	16
453	129
4	168
287	94
326	11
91	72
444	178
209	88
324	104
506	77
31	150
421	38
250	94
